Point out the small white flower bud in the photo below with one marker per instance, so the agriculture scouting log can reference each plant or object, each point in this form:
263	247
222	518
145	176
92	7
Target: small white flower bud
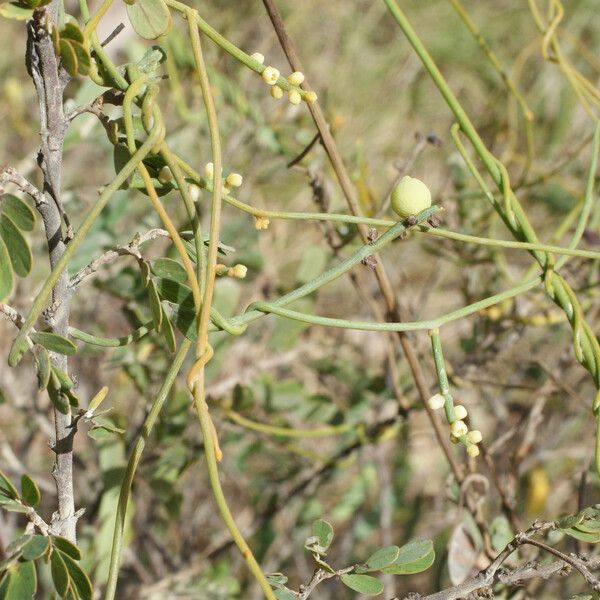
270	75
459	428
276	92
234	180
238	271
296	78
472	450
261	223
475	436
310	97
436	401
294	97
221	269
460	412
410	197
209	170
258	57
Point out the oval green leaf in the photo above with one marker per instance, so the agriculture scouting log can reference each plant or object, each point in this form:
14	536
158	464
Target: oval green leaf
6	487
60	575
167	268
42	365
30	492
18	212
363	584
6	273
384	557
410	568
67	547
149	18
69	57
20	254
79	578
23	582
168	333
35	547
54	342
155	306
324	531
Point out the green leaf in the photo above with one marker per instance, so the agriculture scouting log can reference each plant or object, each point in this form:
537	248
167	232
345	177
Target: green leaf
149	18
584	536
276	579
18	212
167	268
30	491
323	531
72	32
285	595
363	584
155	307
6	487
175	292
69	57
35	547
83	57
12	10
6	274
60	575
168	334
17	545
54	343
23	582
59	400
412	561
18	248
500	533
79	578
67	547
42	365
12	505
384	557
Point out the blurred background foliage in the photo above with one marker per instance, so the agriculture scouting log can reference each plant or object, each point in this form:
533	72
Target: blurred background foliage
381	479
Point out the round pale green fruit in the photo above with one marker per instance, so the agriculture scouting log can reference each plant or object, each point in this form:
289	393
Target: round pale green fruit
410	197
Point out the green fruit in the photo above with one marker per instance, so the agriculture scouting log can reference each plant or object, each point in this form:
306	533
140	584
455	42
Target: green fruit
410	196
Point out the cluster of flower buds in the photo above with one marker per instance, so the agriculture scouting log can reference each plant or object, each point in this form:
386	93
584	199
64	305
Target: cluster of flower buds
233	180
261	223
238	271
271	76
459	432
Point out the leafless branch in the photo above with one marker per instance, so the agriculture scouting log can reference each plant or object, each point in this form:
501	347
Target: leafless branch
131	249
11	175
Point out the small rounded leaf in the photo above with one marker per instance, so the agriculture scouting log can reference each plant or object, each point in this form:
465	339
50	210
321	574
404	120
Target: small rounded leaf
60	575
35	547
363	584
384	557
149	18
20	254
18	212
6	272
324	532
23	582
30	491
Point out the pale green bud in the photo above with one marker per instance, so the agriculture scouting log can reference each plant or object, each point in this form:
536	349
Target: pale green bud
410	197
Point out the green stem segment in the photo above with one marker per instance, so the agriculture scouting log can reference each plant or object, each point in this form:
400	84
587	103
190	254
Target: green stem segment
132	464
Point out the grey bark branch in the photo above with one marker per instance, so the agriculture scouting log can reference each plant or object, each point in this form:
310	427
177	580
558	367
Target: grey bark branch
50	81
495	573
